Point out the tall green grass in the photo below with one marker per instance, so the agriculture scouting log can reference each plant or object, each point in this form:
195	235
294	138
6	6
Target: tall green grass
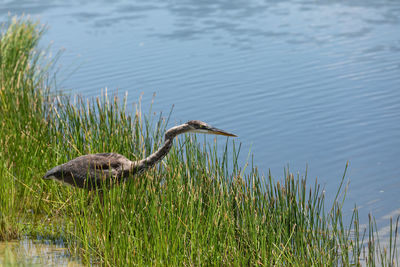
197	207
23	128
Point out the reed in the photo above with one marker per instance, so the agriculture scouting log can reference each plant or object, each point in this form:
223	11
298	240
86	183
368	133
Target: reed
198	207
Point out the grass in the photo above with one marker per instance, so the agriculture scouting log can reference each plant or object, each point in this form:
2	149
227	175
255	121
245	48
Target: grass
197	207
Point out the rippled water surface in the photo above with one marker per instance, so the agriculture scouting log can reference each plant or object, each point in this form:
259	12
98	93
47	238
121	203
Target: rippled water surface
301	82
28	252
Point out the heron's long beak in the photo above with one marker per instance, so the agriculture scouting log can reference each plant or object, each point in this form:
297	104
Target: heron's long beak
221	132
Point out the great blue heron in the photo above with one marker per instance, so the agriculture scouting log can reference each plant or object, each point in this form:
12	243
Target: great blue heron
91	171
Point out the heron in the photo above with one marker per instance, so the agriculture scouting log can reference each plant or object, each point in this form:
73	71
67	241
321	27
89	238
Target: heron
93	171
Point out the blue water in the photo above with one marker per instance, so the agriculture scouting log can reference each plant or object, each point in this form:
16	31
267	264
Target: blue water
301	82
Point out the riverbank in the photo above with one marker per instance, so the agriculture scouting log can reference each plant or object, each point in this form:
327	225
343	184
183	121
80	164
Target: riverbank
194	208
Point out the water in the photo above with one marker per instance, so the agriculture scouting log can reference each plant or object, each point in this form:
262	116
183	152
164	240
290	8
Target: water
301	82
27	252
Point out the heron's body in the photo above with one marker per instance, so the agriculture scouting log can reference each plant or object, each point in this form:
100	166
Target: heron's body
92	171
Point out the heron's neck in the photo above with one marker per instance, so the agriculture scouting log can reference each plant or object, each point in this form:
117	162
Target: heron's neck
150	161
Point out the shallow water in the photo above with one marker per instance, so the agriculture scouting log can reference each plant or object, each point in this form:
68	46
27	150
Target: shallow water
301	82
27	252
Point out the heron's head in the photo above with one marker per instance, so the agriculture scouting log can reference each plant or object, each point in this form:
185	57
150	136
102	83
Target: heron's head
202	127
